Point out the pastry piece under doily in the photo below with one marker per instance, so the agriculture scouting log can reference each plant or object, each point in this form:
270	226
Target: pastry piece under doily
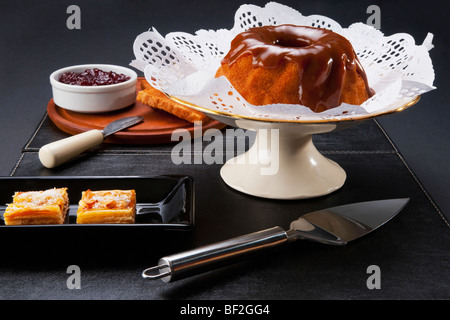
157	99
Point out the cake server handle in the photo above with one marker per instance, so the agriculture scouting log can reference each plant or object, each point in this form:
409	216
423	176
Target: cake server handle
209	257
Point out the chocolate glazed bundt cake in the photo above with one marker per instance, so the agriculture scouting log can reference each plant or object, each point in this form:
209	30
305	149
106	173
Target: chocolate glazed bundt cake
291	64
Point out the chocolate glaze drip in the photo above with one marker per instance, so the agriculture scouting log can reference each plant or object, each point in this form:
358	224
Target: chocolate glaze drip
323	58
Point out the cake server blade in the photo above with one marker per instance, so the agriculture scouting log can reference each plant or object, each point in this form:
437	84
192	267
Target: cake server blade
56	153
336	226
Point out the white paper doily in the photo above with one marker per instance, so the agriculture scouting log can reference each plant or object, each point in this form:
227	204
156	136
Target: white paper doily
183	65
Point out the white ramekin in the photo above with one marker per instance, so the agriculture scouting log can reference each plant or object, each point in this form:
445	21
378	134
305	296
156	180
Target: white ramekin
92	99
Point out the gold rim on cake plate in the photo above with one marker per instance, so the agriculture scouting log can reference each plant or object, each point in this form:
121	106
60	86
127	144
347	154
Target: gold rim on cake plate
299	121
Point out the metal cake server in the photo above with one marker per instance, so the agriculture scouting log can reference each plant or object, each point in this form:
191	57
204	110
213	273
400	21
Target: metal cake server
336	226
58	152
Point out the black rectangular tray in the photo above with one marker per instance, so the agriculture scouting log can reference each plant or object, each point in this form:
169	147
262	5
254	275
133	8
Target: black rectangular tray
163	202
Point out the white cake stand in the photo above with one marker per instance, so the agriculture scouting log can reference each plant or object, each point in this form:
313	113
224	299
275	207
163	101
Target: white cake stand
283	162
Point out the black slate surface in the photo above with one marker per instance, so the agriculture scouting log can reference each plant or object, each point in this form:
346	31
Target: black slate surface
411	250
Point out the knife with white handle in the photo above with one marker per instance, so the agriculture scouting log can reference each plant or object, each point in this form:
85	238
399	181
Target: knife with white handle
336	226
56	153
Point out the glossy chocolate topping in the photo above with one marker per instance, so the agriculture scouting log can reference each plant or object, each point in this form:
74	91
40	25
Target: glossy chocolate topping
323	57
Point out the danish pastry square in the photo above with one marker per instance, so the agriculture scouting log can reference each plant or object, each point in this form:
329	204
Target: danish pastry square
107	206
37	207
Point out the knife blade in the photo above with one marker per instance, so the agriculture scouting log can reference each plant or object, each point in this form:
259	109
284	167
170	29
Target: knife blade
336	226
58	152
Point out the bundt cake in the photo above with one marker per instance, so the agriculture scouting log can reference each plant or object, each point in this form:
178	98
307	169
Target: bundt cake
291	64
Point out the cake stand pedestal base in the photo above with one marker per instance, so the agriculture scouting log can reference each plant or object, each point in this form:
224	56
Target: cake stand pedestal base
283	165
